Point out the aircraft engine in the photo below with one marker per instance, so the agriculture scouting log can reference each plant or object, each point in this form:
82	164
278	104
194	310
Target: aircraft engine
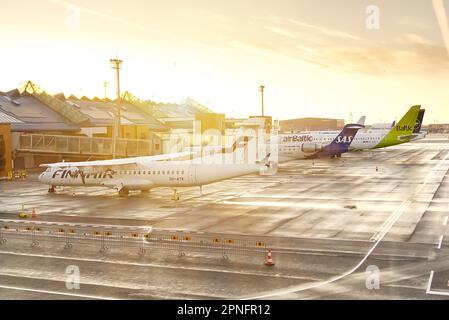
311	147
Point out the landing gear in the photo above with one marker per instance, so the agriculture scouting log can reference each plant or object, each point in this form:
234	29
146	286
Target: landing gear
175	195
52	189
123	192
201	190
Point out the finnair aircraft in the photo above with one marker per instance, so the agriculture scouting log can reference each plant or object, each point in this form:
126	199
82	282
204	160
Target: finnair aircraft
145	173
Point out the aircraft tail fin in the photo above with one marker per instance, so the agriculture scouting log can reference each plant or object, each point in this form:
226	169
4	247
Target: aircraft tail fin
265	161
419	121
341	143
362	120
403	130
240	142
267	167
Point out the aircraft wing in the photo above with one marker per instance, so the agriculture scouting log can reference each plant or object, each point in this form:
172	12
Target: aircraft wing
131	184
118	162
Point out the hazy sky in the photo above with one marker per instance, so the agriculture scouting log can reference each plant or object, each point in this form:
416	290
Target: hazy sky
316	58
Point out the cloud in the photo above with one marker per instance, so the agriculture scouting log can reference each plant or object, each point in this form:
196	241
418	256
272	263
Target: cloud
294	28
260	49
280	31
408	54
440	13
323	30
341	51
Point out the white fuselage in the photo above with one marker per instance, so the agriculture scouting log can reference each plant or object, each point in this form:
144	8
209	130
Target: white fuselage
144	177
302	144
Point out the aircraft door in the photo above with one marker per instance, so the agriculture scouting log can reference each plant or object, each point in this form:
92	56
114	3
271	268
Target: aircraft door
192	174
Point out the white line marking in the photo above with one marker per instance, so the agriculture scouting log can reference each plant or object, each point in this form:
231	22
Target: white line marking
404	206
438	293
54	292
153	265
89	284
440	242
334	279
389	220
445	221
429	286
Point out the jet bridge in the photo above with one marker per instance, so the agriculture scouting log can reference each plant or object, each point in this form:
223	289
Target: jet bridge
79	145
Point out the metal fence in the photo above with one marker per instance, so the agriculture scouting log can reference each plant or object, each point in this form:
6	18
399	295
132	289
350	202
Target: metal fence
68	234
183	243
140	239
83	145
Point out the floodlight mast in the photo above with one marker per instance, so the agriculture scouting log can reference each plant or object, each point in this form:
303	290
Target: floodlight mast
117	65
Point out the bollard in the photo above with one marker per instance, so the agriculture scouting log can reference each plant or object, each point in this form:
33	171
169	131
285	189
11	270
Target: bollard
22	214
2	238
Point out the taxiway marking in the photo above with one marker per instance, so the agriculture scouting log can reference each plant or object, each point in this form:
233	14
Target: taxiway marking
440	242
396	214
429	287
77	295
151	265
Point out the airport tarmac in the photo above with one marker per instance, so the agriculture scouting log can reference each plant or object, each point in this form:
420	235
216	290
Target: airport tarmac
326	220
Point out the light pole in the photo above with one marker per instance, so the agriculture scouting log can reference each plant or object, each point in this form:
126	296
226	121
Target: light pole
262	88
117	65
105	85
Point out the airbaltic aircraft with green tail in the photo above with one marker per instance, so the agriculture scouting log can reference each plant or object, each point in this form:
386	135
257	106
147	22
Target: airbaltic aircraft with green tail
404	131
320	144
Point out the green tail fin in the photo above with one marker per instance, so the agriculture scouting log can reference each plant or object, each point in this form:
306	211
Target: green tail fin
403	131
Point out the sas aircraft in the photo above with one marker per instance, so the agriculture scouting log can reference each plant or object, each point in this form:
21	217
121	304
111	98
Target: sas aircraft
318	144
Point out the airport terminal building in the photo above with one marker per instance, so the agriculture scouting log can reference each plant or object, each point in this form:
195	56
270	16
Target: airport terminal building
38	127
311	124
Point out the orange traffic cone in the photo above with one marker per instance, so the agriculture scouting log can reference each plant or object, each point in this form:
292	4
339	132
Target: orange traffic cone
33	213
269	261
